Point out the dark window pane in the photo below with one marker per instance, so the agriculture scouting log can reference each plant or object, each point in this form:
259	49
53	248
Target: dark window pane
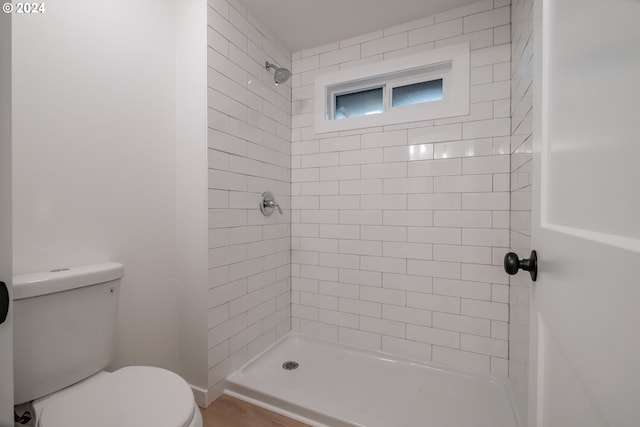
417	93
359	103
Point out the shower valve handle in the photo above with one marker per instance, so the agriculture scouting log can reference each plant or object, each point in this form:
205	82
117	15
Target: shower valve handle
273	204
268	204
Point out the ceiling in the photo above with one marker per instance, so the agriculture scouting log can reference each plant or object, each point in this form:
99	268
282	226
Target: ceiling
302	24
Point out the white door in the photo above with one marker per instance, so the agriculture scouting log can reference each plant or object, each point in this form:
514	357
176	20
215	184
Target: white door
586	226
6	338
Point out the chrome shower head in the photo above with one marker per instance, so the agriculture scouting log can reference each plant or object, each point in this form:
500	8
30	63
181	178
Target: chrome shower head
281	75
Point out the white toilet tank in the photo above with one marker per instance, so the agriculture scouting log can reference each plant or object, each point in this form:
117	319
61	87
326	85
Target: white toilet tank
63	327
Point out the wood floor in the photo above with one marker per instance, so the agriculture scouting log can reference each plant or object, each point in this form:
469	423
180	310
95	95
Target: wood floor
227	411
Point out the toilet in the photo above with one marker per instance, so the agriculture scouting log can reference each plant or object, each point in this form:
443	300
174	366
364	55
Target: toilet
63	336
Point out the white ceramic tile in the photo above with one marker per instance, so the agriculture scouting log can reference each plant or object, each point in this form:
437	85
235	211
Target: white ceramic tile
471	9
360	338
470	254
385	44
464	289
484	345
314	216
434	235
450	270
386	170
385	139
439	303
435	32
386	201
433	336
435	167
320	273
338	56
315	51
360	277
407	250
406	315
411	25
361	38
493	201
316	188
344	143
466	324
338	318
490	91
381	295
382	326
488	19
369	217
383	264
435	134
486	128
339	231
320	301
486	310
408	185
339	173
407	282
360	247
363	186
483	237
463	184
434	201
339	289
305	64
491	55
360	157
383	233
360	307
406	348
410	218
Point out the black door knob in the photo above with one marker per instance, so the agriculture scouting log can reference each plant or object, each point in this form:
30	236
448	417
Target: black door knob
512	264
4	302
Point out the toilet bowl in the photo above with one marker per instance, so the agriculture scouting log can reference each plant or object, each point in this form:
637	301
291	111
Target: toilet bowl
134	396
63	330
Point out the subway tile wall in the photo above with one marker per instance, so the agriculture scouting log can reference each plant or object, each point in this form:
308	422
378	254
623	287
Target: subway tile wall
521	169
398	232
249	140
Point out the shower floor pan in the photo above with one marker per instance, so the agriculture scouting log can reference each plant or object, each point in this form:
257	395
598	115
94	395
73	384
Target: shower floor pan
341	386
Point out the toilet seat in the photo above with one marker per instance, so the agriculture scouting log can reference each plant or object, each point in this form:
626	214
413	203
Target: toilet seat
134	396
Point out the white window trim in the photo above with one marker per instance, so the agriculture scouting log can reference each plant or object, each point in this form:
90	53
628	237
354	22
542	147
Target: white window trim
455	100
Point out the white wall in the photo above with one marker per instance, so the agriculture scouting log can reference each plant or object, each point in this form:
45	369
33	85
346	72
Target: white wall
6	336
404	253
249	153
521	179
191	158
95	173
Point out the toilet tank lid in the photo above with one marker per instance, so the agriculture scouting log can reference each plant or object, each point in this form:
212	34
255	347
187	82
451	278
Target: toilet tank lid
62	279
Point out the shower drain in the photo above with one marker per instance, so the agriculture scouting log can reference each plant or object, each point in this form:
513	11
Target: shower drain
290	365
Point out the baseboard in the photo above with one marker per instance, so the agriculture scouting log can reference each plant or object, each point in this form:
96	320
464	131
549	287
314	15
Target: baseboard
200	395
215	391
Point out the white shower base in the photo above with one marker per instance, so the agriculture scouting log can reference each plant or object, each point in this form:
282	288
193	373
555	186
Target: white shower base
340	386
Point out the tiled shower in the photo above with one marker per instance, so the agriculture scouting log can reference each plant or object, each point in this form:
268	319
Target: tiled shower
398	232
392	237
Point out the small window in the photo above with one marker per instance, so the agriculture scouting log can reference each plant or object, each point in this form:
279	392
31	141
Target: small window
426	86
362	103
417	93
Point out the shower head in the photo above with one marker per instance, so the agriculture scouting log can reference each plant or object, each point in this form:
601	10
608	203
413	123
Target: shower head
281	75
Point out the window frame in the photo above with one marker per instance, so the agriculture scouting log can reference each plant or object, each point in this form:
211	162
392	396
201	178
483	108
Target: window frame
449	63
355	89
